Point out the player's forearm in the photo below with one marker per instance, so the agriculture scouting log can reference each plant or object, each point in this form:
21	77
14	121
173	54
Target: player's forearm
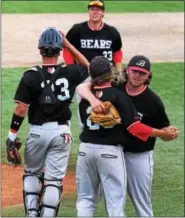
158	133
21	109
143	132
84	90
17	119
77	55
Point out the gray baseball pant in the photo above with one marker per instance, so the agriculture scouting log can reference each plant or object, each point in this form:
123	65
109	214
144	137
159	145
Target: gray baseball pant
100	164
139	167
45	148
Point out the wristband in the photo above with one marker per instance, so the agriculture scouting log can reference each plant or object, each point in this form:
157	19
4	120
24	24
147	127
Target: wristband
12	135
16	123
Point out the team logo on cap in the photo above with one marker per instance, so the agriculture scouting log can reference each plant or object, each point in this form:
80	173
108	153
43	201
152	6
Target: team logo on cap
141	63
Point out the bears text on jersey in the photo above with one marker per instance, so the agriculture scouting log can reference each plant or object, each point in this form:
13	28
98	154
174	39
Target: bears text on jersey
95	43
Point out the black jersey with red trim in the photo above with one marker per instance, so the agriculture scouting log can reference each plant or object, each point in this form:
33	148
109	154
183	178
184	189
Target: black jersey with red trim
31	86
90	43
96	134
152	112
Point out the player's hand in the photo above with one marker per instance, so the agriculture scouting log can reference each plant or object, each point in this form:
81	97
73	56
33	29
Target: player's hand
97	106
170	133
62	33
65	41
67	138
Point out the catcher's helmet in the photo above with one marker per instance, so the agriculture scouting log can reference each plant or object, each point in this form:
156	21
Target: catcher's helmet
50	42
99	66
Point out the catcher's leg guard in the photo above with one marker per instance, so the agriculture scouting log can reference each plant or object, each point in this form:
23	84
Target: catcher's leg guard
51	198
32	186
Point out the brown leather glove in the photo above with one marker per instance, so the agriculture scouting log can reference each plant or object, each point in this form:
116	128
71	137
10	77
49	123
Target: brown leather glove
13	155
109	118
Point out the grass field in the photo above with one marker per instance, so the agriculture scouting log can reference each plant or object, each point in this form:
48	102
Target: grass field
168	187
81	6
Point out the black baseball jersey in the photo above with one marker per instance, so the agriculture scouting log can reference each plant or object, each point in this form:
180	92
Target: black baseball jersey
31	87
96	134
95	43
151	109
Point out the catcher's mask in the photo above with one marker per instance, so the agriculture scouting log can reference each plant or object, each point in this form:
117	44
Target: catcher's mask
50	42
141	64
96	3
100	70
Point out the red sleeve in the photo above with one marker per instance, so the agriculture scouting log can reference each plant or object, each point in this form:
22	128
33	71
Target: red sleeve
140	130
68	57
118	56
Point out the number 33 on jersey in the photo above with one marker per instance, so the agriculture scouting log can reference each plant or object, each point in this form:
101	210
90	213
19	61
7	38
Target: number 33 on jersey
64	88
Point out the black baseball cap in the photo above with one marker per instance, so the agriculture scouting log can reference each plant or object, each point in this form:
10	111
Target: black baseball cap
96	3
140	63
99	66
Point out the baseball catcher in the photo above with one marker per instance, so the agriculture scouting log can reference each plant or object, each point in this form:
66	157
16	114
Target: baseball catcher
44	94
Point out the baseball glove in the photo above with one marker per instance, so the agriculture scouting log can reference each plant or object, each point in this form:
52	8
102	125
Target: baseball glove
109	118
18	143
13	155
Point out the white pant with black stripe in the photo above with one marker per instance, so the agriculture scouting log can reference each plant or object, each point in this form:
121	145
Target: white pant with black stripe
139	167
100	164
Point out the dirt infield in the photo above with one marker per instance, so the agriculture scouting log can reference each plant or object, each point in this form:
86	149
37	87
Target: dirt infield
11	192
160	36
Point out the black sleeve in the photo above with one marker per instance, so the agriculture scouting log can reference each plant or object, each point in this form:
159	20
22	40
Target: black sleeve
23	92
78	72
126	109
160	117
117	42
72	35
82	74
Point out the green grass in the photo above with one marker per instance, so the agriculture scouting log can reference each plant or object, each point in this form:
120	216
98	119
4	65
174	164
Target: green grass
81	6
168	186
64	211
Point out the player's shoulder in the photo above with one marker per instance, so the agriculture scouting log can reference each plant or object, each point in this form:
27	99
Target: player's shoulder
120	86
30	75
79	26
117	91
111	28
74	67
75	70
31	72
153	96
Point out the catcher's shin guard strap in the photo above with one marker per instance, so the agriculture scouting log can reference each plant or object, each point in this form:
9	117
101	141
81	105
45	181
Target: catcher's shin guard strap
30	210
51	198
31	194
